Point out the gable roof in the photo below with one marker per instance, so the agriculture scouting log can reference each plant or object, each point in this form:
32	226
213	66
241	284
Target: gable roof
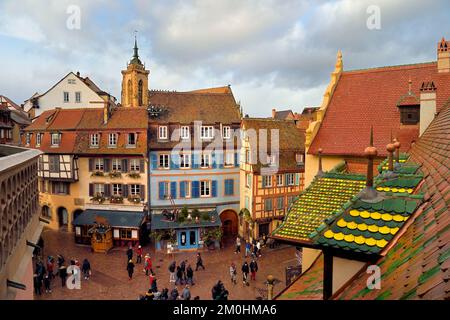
359	99
207	105
283	114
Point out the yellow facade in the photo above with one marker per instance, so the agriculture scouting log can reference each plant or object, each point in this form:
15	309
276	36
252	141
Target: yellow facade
135	86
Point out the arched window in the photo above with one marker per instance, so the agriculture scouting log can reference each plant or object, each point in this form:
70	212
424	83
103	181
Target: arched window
140	87
129	92
46	213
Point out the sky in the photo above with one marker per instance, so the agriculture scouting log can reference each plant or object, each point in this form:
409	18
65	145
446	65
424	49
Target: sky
274	54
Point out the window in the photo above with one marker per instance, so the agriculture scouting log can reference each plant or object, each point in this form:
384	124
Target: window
27	138
205	160
46	213
207	132
99	164
132	139
94	138
99	189
135	165
78	97
140	93
268	204
71	81
409	114
229	187
38	139
290	179
226	132
164	161
117	189
53	163
205	188
299	158
66	96
185	186
185	133
162	132
280	203
135	190
229	159
248	180
247	156
112	139
290	200
185	160
271	160
116	164
279	180
60	188
56	139
266	181
125	234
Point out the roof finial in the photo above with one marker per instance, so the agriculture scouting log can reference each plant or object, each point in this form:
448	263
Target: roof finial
135	55
409	86
370	152
320	171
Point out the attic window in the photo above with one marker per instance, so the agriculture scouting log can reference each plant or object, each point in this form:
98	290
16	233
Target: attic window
299	158
410	115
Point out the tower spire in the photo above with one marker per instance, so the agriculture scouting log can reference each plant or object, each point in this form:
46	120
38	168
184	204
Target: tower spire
136	54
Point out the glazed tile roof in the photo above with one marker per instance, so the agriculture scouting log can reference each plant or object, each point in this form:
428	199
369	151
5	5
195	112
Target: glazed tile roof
417	267
320	200
309	286
403	183
362	95
365	226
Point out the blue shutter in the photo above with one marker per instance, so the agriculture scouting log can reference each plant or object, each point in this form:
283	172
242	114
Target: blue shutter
297	178
174	161
182	189
154	161
286	175
173	189
213	160
231	188
236	159
195	189
161	190
214	188
220	159
195	161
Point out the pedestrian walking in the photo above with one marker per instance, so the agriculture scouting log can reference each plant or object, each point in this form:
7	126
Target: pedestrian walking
148	265
164	294
63	274
153	284
47	283
130	269
190	275
37	284
248	248
238	245
129	253
86	269
233	273
139	252
245	271
199	262
255	251
179	276
258	248
186	293
50	267
174	294
253	269
60	260
264	239
183	270
172	268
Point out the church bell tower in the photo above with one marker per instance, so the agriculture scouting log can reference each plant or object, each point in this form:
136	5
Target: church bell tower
135	82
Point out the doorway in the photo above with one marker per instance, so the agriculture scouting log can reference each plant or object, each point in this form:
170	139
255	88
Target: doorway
187	239
63	218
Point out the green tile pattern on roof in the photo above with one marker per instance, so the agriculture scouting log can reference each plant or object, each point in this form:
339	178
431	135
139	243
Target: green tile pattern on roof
403	183
368	227
322	198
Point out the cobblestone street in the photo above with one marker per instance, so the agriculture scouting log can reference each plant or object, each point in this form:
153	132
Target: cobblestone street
110	279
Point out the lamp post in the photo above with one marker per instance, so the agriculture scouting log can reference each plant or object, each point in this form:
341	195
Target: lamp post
270	283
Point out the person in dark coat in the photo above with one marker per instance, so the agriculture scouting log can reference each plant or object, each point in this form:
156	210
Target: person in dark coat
47	279
130	269
139	252
50	267
63	274
37	284
174	294
183	270
129	253
199	262
153	283
60	260
179	276
245	271
190	275
164	294
86	269
253	269
172	268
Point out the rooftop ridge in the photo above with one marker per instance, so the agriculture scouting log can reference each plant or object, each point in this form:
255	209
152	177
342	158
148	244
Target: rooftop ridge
391	68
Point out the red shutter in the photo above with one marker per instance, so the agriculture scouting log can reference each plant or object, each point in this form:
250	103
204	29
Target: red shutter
107	189
142	192
91	189
141	166
91	164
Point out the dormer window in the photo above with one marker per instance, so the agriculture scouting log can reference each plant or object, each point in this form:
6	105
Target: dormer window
56	139
38	139
132	140
94	140
271	160
299	158
112	140
185	133
410	115
207	132
162	132
27	138
226	132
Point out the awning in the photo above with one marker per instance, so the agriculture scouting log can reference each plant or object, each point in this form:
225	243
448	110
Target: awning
159	222
116	218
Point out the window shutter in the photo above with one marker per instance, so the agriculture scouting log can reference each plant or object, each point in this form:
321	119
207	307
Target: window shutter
154	161
173	189
124	165
220	160
214	188
195	189
297	178
125	190
182	189
195	163
229	187
91	189
67	188
141	166
91	164
107	188
161	190
236	159
213	160
142	192
174	161
107	165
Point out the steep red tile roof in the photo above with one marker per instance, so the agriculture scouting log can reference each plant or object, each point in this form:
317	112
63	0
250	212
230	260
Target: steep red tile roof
417	267
365	98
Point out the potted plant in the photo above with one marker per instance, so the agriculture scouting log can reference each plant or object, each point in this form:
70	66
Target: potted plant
99	198
157	236
134	199
97	173
115	174
134	175
205	216
116	199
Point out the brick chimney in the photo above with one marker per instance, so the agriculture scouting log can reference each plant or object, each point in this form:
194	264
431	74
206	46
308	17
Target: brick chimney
274	112
427	105
443	56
